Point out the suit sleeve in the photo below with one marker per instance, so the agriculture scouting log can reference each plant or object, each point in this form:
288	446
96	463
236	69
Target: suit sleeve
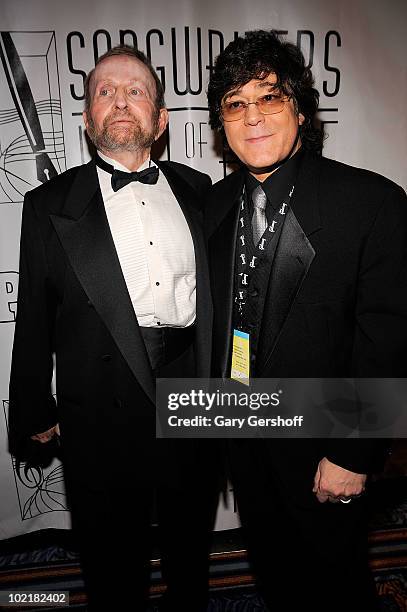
380	344
32	408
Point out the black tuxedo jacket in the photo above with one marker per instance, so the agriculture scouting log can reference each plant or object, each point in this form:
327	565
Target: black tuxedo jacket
73	302
337	297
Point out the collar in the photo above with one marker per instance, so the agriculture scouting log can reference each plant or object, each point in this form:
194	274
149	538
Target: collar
276	185
118	166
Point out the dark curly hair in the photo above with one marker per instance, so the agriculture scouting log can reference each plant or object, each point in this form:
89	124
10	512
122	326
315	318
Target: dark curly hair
254	56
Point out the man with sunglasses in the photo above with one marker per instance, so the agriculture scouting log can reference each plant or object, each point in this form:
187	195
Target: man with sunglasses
308	259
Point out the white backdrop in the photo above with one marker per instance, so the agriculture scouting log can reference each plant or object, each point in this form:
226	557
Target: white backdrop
358	54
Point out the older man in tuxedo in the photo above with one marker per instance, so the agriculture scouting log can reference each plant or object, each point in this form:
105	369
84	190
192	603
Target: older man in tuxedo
114	282
308	261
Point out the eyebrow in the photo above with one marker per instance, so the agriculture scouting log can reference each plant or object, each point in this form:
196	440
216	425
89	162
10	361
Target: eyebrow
262	85
103	83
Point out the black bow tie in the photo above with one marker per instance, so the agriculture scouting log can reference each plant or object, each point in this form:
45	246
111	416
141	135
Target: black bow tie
121	179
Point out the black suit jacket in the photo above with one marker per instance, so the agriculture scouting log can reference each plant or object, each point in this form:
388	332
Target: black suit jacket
337	296
73	301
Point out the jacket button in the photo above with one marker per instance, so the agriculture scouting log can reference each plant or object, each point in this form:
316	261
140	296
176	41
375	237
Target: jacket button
106	357
90	303
254	293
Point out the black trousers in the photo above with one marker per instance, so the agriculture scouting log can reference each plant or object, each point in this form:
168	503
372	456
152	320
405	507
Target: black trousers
305	555
115	533
115	546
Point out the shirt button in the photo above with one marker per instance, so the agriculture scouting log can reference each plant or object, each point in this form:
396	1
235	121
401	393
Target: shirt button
143	203
157	283
151	243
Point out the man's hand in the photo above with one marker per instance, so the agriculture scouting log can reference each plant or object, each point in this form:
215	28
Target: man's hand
332	482
46	436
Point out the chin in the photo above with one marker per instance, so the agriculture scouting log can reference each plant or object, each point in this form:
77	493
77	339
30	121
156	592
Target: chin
120	132
260	165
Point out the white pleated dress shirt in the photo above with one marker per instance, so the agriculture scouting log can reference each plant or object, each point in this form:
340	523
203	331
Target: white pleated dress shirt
154	247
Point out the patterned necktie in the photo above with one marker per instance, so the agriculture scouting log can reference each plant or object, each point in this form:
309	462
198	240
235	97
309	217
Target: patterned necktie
259	219
121	179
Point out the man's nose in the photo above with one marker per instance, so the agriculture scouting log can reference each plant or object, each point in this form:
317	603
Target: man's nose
120	98
252	114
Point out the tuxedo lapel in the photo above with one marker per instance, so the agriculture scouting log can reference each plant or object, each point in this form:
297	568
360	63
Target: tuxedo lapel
190	203
84	232
293	258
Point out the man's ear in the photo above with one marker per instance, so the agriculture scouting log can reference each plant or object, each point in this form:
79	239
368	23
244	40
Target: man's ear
85	119
301	118
162	122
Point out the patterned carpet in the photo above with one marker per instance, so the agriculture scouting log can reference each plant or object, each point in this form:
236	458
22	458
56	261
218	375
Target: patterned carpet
47	561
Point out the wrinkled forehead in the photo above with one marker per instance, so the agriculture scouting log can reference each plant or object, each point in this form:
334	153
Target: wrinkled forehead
258	84
122	70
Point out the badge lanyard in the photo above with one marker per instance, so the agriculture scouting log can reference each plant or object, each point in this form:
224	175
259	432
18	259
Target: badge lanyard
240	369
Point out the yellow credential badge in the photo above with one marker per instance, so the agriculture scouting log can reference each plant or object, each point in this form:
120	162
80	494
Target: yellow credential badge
241	357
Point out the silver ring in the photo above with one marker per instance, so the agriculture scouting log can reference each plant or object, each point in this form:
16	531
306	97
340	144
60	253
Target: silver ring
345	501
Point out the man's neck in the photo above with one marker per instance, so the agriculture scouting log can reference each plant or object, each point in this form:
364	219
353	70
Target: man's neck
132	160
261	174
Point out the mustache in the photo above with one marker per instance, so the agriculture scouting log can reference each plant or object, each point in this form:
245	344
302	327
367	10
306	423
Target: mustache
118	116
